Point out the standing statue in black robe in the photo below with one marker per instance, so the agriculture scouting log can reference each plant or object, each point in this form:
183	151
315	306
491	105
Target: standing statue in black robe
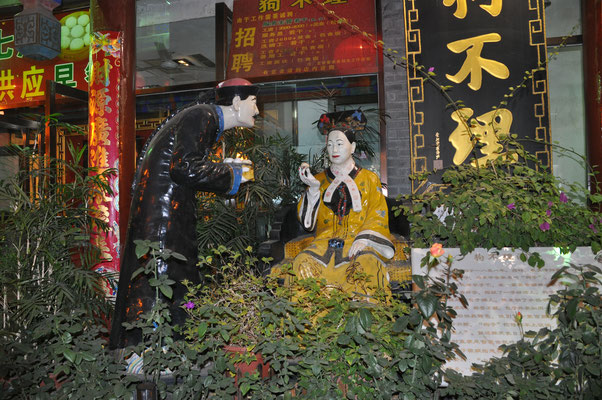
174	165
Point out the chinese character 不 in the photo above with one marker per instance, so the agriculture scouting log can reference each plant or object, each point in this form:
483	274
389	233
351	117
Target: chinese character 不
494	8
63	73
486	129
6	84
301	3
267	5
474	63
4	55
32	82
244	37
242	61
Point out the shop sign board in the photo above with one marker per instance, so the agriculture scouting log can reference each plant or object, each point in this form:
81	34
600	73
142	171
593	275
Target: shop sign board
23	80
298	38
482	50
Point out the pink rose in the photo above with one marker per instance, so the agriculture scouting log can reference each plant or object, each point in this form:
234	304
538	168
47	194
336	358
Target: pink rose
437	250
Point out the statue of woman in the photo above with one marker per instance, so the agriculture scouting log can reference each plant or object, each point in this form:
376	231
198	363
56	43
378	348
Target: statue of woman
347	209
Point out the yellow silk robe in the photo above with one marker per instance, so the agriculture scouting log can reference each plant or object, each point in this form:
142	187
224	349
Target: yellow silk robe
319	260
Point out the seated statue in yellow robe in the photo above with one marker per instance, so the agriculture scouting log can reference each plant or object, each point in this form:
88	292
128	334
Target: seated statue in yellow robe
347	209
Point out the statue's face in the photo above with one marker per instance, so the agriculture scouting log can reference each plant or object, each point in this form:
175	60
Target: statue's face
246	110
339	148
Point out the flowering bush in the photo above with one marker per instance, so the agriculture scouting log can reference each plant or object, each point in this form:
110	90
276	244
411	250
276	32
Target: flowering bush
505	204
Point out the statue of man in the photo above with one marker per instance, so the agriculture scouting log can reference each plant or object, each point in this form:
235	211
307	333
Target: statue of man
346	208
174	165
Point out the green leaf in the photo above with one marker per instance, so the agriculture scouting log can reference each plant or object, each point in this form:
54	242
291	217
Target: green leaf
142	248
400	324
244	388
202	329
419	281
137	272
178	256
426	304
166	290
343	339
571	308
69	355
365	318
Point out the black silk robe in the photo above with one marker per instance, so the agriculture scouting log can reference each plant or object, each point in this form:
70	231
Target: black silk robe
173	167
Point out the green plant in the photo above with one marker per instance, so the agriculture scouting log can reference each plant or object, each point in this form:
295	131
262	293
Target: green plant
318	341
62	355
155	348
246	219
511	202
54	305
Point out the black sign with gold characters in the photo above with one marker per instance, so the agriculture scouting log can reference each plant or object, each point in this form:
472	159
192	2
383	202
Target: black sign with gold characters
482	49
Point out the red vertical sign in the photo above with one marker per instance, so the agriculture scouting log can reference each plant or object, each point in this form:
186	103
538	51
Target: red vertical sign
105	61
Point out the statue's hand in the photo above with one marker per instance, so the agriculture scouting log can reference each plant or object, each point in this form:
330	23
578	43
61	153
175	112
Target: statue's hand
307	177
357	246
247	168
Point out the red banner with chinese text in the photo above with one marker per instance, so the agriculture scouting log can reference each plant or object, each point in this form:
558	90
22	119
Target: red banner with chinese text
295	37
103	138
22	80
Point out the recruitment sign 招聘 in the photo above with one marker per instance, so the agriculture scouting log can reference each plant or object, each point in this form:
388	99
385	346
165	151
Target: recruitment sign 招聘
482	50
23	80
298	37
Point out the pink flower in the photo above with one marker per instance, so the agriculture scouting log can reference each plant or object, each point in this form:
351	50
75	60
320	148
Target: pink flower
511	206
548	212
550	204
431	69
593	228
562	197
189	305
437	250
544	226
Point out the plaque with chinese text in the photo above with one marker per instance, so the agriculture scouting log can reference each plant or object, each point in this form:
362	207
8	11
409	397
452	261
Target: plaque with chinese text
298	38
23	80
482	50
497	286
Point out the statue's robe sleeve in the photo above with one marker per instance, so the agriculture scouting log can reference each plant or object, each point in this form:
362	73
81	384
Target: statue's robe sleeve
190	163
307	208
375	225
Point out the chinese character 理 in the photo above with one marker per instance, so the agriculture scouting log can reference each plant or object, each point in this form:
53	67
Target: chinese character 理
63	73
269	5
474	63
486	129
6	84
244	61
461	9
244	37
32	82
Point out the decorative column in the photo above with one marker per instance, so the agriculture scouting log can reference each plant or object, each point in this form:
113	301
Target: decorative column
592	65
103	140
113	114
